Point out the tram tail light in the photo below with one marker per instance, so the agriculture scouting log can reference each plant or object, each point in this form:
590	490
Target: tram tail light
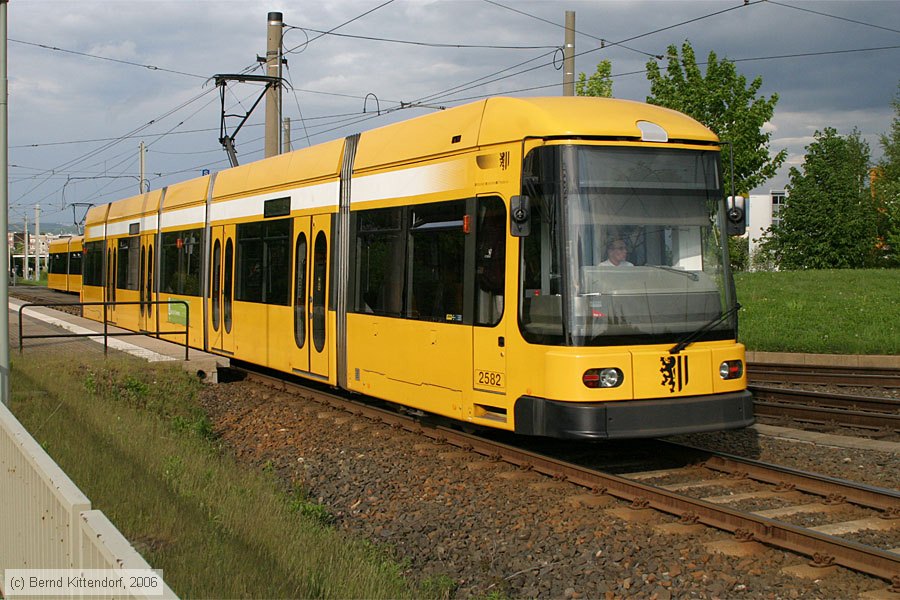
731	369
602	378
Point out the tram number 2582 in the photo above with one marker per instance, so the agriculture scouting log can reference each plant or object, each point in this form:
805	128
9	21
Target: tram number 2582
491	379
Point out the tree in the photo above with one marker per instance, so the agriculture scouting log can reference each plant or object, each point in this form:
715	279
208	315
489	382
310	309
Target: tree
890	162
828	219
724	102
887	191
599	84
739	252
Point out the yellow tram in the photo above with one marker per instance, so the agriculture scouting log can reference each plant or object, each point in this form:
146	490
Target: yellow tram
64	268
548	266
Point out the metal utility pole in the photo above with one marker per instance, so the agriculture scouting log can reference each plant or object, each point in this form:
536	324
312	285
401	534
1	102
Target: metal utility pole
25	250
569	55
142	150
4	208
37	242
286	140
273	95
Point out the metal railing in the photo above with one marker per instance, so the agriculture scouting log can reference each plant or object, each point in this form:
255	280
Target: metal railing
106	334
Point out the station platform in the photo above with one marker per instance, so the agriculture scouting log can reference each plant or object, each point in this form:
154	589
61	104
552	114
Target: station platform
48	321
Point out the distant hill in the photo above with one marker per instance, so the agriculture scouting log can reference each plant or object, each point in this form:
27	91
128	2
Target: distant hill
54	228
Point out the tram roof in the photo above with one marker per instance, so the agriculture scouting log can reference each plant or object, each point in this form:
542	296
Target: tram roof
502	120
142	204
483	123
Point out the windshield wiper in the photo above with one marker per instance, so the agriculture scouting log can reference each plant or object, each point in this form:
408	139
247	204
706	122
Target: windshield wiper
690	339
689	274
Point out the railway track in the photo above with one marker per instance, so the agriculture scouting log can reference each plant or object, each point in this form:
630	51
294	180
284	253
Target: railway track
689	496
759	373
38	294
694	494
865	412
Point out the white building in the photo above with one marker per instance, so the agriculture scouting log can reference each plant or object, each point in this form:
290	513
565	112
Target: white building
762	213
39	245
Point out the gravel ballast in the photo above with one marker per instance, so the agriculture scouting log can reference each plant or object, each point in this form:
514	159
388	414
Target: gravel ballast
489	528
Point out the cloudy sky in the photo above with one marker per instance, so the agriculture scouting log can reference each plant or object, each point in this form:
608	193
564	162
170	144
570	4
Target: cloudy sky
89	80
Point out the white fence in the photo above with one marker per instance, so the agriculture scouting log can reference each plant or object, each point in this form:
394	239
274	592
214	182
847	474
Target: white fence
46	522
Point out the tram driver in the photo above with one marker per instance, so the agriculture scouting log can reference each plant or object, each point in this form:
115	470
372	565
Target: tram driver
616	254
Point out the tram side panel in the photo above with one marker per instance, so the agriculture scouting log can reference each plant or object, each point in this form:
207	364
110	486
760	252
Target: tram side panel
58	267
180	266
270	251
64	269
74	262
174	263
309	337
262	296
408	337
427	287
130	227
94	261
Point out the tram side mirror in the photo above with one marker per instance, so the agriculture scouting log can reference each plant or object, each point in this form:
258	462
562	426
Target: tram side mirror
520	216
736	215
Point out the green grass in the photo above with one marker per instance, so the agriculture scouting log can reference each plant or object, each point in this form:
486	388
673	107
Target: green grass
42	282
132	438
826	312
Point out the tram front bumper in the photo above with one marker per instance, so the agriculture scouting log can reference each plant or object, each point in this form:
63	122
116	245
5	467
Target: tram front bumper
633	418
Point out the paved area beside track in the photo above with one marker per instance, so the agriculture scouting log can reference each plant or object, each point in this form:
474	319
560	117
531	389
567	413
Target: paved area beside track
877	361
48	321
826	439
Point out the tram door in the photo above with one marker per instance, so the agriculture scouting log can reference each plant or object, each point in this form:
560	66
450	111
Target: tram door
111	270
310	295
148	310
221	290
489	333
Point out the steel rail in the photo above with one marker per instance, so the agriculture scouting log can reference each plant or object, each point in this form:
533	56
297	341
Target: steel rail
882	499
821	375
824	416
843	401
858	557
746	526
867	412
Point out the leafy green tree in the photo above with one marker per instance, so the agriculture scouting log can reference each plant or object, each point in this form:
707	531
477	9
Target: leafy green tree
890	162
828	219
887	191
723	101
739	252
599	84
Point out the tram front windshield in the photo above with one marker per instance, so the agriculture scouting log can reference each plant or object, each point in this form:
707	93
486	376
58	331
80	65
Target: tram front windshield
624	247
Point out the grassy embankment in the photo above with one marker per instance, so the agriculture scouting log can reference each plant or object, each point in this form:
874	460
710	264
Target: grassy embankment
827	312
132	436
133	439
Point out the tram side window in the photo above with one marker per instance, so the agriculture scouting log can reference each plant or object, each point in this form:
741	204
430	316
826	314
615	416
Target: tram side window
75	263
129	263
264	262
93	263
58	263
436	253
181	256
381	255
410	261
490	260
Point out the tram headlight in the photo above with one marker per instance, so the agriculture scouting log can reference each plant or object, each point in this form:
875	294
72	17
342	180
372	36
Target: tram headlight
731	369
602	378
